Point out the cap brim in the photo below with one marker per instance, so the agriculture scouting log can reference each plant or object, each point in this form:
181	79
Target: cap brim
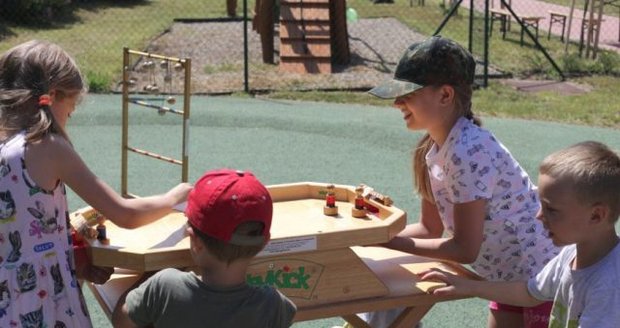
394	88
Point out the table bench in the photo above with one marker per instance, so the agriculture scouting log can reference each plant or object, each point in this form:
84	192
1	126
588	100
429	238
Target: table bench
560	18
503	16
396	270
530	21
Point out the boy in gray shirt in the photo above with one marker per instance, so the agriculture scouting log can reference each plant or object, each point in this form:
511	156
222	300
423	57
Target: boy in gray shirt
229	216
580	195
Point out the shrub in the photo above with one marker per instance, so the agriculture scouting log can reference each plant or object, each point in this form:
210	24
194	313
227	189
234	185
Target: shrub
31	12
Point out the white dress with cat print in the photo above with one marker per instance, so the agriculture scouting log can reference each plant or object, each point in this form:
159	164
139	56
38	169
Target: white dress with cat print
38	287
472	164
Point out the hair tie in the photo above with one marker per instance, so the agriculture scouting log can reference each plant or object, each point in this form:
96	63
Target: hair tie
45	100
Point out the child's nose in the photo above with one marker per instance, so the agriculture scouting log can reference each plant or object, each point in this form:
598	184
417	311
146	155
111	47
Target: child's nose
398	103
539	215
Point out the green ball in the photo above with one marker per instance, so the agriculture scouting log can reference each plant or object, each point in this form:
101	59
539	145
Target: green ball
351	15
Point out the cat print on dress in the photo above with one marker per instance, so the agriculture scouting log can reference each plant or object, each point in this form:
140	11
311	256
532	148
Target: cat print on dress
59	285
45	223
7	207
5	168
26	277
32	319
16	244
5	297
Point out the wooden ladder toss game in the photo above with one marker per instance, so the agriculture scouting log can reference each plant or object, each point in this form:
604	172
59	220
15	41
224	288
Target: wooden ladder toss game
148	64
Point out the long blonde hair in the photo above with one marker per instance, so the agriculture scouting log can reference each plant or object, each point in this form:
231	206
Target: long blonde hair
28	71
462	104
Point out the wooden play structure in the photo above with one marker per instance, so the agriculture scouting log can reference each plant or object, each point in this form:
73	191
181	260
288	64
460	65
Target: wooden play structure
313	258
156	81
313	35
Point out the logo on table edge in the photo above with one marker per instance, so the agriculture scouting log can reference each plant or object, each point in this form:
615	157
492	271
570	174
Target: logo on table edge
293	277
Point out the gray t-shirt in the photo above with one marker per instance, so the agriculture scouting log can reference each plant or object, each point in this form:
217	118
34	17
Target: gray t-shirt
587	298
173	298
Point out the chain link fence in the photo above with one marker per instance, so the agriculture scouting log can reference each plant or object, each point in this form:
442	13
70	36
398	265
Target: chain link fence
265	45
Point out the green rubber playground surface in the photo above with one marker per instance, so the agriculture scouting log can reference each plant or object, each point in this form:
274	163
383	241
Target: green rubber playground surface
286	141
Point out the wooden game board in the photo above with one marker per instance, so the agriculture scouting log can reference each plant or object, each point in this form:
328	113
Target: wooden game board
308	258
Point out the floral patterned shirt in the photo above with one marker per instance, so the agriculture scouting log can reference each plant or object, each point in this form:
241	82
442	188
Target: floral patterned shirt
38	286
471	165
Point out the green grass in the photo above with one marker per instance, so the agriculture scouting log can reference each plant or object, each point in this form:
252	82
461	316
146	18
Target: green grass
95	33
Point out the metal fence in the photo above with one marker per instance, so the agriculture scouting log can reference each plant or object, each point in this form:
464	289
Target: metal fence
262	45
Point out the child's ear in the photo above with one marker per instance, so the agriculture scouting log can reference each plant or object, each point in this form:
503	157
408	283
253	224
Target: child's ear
447	94
195	243
52	94
599	213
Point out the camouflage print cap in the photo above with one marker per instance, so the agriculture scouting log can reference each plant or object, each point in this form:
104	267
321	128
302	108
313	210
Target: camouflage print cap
434	61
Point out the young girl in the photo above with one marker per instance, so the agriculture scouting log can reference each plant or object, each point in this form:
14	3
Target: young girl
472	189
40	86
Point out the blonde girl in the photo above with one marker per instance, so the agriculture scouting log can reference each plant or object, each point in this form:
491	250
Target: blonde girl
40	86
478	204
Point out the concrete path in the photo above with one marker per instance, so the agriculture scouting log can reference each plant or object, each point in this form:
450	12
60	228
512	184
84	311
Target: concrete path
609	37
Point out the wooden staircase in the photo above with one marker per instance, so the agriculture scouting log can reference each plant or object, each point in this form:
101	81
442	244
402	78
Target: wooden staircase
313	35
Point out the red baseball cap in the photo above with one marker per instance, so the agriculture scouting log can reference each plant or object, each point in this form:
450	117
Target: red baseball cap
222	199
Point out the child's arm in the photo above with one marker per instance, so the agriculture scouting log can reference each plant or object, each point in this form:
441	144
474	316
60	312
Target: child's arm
429	225
462	247
127	213
506	292
120	315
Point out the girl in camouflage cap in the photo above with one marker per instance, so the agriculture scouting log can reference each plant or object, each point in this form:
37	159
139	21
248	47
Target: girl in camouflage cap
478	204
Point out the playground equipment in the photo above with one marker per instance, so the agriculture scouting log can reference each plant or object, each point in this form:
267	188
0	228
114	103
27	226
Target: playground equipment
157	85
313	34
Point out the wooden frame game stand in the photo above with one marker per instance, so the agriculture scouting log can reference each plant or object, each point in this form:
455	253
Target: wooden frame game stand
148	65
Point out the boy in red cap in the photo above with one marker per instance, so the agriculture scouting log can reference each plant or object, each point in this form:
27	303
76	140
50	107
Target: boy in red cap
229	216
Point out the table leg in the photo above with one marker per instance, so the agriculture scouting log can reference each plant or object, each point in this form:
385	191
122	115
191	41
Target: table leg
411	316
355	321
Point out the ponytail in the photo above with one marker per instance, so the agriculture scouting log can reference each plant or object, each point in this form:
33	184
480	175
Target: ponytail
462	99
43	122
420	169
29	72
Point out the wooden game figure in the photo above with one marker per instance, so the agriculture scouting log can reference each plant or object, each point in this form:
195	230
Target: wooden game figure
380	198
330	207
84	226
359	210
102	233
